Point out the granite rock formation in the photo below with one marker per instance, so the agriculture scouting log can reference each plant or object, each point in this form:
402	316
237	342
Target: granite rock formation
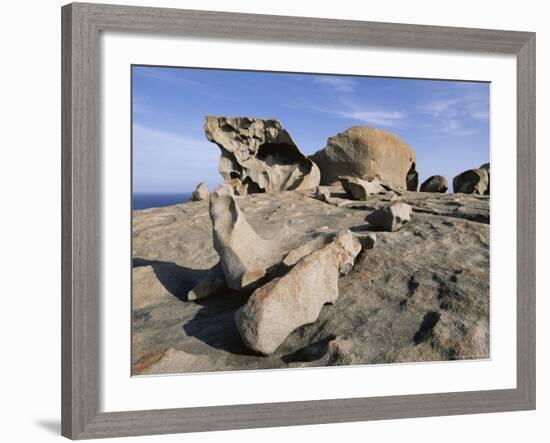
390	217
362	151
200	193
285	303
360	189
261	154
245	257
422	294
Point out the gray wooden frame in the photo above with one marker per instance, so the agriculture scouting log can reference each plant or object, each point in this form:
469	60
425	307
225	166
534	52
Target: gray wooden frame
81	164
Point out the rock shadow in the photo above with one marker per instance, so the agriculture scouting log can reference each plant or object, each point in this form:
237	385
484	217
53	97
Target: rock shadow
178	280
309	353
214	324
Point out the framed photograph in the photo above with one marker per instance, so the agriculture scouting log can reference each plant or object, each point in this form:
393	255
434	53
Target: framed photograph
274	221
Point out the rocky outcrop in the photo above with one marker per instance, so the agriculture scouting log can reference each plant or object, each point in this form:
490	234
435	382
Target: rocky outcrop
421	294
472	181
261	154
245	257
286	303
435	183
200	193
391	217
361	189
361	151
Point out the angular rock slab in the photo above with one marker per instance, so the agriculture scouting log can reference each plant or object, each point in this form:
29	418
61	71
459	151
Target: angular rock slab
200	193
362	151
286	303
391	217
245	257
360	189
472	181
435	183
261	154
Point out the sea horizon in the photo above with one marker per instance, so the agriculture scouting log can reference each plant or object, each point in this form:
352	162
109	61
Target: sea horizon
146	200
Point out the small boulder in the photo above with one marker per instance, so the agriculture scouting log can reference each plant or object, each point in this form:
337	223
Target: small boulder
391	217
436	183
361	189
322	194
279	307
472	181
200	193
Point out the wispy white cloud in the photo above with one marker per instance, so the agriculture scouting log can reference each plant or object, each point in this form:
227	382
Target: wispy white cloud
380	118
456	115
339	84
481	115
455	127
175	78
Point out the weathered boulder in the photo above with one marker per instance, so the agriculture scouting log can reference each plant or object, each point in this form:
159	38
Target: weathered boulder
360	189
435	183
363	151
286	303
245	257
322	194
261	154
200	193
487	167
390	217
472	181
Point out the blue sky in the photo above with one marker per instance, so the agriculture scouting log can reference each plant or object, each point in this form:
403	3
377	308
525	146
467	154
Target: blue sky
445	122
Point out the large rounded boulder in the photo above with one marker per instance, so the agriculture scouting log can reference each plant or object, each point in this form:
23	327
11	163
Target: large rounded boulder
362	151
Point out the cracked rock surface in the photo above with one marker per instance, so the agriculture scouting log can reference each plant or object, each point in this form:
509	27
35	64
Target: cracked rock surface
421	294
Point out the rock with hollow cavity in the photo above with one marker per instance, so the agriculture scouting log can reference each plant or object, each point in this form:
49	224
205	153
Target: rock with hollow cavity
472	181
238	187
286	303
363	151
361	189
435	183
200	193
261	154
245	257
391	217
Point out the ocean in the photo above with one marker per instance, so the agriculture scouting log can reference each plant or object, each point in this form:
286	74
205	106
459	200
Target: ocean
157	200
